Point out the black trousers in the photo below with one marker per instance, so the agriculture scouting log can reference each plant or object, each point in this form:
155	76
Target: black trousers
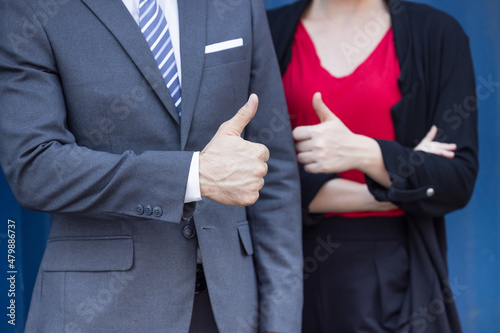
202	320
356	274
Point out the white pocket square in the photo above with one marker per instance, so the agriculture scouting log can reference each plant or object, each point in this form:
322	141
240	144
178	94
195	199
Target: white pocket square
221	46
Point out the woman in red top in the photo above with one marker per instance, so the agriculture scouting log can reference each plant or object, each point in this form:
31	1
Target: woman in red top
358	88
341	84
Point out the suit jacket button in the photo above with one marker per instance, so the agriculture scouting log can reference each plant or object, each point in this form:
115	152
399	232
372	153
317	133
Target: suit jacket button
157	211
430	192
139	210
188	232
148	210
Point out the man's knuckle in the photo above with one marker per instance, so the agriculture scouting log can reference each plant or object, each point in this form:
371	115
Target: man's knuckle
254	187
262	151
255	197
249	200
261	169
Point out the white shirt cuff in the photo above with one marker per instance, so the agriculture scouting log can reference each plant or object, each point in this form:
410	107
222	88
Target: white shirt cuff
193	184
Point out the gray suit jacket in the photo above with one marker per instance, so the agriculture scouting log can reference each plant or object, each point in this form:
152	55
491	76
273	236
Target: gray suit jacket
89	133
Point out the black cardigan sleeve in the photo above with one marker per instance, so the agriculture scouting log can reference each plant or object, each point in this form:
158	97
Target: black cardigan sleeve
426	184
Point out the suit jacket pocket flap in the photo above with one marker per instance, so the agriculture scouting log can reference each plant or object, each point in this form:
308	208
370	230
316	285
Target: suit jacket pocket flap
89	254
245	237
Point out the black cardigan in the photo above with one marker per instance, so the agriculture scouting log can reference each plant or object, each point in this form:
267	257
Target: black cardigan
438	87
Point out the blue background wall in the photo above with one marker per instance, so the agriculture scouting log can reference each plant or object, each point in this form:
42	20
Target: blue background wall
473	233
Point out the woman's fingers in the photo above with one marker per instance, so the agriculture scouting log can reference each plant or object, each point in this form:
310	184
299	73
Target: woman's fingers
431	135
434	147
438	148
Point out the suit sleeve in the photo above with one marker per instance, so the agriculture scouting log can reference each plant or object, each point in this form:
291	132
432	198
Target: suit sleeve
276	217
45	167
429	185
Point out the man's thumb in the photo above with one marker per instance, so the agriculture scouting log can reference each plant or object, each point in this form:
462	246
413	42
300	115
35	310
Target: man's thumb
321	109
237	124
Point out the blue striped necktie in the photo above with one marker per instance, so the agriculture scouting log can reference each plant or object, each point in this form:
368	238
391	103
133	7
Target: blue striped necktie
154	27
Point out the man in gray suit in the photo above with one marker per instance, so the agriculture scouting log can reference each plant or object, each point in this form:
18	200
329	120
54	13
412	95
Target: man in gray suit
120	149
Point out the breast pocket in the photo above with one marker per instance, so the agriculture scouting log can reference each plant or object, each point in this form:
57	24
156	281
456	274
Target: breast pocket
225	55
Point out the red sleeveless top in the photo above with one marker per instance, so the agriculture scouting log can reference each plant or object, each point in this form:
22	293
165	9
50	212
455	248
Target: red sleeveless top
362	99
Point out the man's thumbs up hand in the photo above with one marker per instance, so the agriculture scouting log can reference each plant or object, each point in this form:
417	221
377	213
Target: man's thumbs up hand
232	169
237	124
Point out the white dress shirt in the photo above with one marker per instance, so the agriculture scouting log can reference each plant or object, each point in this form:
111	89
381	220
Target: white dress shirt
171	12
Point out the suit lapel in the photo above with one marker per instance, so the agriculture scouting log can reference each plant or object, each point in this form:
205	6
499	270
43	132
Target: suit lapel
115	16
192	31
